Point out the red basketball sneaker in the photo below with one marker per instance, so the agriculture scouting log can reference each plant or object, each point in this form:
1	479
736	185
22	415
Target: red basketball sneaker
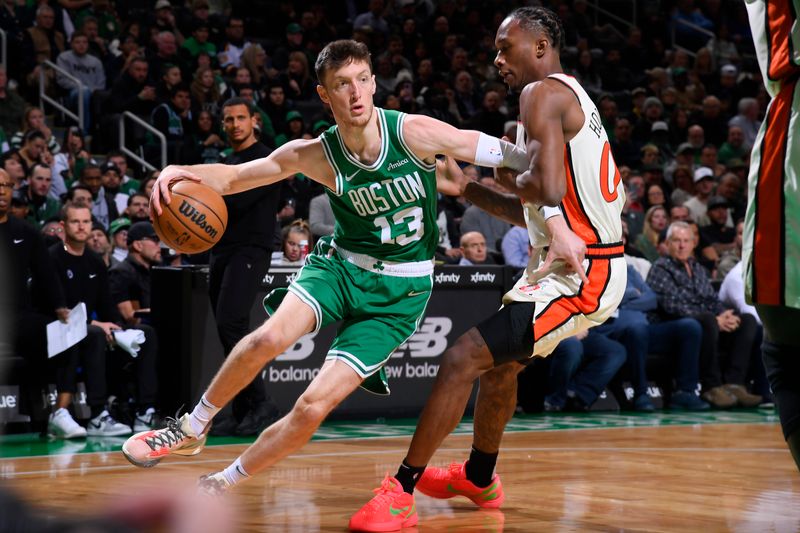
391	509
452	481
147	448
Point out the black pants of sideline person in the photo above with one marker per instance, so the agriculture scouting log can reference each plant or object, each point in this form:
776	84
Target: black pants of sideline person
731	365
781	350
30	341
233	282
94	357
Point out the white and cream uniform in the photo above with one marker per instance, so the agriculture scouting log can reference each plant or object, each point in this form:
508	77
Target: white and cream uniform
592	207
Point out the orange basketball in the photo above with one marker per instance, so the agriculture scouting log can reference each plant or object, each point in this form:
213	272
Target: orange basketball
194	220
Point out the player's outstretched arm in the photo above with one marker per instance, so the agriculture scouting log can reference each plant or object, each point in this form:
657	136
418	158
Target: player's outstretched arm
542	107
428	137
298	156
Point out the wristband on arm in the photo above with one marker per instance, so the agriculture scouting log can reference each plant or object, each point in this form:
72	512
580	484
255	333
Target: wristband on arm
493	152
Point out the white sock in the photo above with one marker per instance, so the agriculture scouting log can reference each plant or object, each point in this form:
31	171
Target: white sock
235	473
203	412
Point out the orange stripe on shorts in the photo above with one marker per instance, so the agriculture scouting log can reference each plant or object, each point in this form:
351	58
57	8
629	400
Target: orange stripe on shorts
768	245
559	311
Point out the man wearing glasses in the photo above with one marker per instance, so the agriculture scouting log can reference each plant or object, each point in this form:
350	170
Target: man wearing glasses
130	290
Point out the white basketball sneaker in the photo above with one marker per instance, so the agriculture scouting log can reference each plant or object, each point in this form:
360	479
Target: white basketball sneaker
61	425
147	448
104	425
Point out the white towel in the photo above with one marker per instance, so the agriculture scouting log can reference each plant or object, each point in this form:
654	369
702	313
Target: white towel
130	340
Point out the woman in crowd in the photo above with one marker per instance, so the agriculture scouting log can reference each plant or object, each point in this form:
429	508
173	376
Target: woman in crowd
655	221
34	120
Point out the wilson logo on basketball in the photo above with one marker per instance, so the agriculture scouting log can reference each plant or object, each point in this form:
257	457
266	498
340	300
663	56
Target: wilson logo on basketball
199	219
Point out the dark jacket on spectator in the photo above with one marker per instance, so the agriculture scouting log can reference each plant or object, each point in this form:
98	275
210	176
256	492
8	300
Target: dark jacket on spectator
681	295
125	97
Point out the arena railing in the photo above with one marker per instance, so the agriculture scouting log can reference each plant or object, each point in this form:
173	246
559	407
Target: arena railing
696	28
44	97
162	140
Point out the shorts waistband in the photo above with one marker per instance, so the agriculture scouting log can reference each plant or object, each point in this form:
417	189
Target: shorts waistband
605	250
410	269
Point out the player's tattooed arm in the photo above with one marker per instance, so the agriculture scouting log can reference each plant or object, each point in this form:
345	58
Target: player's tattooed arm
504	206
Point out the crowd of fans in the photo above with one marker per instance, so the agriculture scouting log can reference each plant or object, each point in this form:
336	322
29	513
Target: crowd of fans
681	105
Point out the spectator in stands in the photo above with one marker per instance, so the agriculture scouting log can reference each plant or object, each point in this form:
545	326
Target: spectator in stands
111	178
473	250
33	119
580	368
656	195
132	91
118	229
11	163
492	228
256	61
649	241
78	195
516	247
615	76
489	119
166	54
320	216
130	280
696	137
84	278
80	64
651	113
298	80
165	21
98	47
104	208
276	106
729	258
205	94
684	289
99	244
174	120
37	299
52	232
718	235
747	120
198	42
734	147
703	186
373	18
679	339
683	183
170	77
710	118
12	105
293	237
138	207
32	150
68	163
42	42
625	150
708	158
41	207
679	213
129	184
230	54
207	140
295	128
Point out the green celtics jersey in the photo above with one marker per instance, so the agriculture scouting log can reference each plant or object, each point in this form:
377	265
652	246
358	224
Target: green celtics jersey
387	209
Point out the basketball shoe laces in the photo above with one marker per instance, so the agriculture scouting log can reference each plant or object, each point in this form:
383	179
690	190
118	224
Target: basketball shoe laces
384	494
167	437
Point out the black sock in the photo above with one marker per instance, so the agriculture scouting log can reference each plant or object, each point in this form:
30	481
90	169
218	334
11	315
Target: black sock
408	476
96	410
480	467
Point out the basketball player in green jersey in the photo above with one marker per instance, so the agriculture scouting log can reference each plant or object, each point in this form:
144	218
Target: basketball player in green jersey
374	274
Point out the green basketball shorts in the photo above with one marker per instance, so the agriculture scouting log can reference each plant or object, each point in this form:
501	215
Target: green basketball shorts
379	304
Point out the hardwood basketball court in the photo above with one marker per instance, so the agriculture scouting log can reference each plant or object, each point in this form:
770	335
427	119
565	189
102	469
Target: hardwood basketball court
719	471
